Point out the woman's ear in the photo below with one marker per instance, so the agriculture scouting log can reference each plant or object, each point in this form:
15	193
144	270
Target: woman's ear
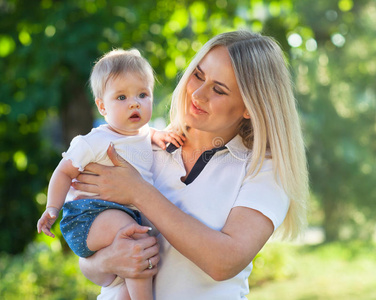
246	115
100	105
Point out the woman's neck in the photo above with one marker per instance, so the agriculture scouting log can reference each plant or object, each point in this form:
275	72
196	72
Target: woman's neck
201	140
197	143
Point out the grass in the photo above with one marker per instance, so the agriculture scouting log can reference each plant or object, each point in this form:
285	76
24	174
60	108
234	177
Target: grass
326	272
281	271
43	273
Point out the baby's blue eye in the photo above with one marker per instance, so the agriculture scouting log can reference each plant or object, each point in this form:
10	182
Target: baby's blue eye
121	97
142	95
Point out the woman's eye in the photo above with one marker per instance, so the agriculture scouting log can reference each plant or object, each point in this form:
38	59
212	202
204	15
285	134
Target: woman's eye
142	95
121	97
198	76
219	92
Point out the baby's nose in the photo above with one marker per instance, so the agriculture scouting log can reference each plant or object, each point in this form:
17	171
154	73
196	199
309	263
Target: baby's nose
134	105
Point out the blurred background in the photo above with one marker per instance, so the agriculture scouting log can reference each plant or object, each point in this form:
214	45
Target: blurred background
47	49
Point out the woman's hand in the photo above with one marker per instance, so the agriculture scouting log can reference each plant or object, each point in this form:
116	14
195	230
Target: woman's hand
128	257
119	183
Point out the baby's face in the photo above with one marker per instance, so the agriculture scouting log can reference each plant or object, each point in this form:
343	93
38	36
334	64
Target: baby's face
127	103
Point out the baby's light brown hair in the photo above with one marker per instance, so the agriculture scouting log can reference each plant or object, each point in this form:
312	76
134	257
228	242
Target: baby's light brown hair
115	63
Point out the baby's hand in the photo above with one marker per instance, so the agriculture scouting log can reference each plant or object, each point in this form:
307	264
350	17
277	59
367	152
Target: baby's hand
47	220
160	138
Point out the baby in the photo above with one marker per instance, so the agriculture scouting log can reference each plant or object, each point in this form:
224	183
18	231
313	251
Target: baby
122	83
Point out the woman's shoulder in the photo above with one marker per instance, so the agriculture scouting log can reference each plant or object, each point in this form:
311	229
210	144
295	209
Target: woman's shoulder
263	192
267	165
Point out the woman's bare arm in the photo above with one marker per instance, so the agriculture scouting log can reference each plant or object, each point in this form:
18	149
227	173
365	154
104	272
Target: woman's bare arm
221	254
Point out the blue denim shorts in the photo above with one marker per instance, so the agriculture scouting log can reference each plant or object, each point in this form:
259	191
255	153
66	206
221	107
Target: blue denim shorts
78	216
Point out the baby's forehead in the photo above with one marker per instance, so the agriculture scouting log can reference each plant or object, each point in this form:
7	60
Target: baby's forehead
122	77
143	75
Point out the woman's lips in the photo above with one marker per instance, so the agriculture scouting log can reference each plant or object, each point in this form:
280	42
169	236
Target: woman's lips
197	110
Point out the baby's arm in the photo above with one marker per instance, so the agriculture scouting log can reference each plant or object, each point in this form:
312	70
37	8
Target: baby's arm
160	138
57	191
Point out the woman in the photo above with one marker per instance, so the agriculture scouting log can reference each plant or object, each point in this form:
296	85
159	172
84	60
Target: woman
239	176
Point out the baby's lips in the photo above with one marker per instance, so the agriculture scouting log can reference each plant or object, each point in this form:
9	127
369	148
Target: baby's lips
135	115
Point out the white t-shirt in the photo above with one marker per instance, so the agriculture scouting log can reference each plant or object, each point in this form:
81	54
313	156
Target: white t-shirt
209	198
136	149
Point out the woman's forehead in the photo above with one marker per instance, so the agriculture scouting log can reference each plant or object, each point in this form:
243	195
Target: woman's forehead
217	65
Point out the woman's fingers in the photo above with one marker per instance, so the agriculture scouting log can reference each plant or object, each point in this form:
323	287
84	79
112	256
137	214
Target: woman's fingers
83	187
130	230
108	181
94	169
149	272
88	182
149	244
134	250
88	178
134	231
150	259
116	159
154	258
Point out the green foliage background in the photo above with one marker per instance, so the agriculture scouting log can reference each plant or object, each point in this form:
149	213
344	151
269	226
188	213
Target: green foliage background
47	49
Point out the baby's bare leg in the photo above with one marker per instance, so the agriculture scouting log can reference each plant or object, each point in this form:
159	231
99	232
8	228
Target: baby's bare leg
102	233
123	293
105	227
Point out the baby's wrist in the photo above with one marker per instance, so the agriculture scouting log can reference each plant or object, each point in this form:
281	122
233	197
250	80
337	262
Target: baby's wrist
54	207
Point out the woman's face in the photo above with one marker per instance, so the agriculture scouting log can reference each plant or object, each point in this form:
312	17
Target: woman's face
214	103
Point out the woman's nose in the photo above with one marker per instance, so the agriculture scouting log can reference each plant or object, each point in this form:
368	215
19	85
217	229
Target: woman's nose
200	94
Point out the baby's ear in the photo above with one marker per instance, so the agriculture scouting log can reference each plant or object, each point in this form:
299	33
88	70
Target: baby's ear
100	105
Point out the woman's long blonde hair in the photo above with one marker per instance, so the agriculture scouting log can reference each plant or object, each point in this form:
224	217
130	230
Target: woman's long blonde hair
274	127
